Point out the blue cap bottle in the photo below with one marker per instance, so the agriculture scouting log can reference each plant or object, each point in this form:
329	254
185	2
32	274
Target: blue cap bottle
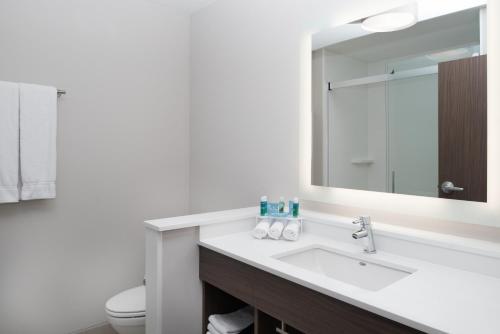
263	206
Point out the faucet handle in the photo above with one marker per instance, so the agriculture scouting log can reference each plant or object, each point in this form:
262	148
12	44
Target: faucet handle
363	221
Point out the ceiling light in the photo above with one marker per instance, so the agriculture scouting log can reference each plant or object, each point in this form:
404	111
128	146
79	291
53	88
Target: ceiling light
396	19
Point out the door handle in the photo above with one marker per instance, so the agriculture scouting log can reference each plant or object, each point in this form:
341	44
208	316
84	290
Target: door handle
393	186
448	187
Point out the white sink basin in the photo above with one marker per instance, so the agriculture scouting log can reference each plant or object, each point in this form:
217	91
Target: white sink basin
345	267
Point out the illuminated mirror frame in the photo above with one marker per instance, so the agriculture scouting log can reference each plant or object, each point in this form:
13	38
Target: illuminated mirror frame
426	207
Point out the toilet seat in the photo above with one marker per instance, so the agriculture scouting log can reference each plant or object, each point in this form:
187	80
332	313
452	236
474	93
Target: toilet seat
125	314
130	303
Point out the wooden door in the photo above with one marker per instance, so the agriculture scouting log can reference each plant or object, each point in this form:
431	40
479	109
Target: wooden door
462	128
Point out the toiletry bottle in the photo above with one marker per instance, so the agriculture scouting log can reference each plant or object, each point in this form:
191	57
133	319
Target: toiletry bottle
295	209
263	206
281	205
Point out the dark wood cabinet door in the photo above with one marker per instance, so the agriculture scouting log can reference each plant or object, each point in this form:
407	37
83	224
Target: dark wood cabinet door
462	127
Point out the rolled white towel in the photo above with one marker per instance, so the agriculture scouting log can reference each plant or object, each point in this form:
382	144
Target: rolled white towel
232	323
212	330
260	231
276	230
292	231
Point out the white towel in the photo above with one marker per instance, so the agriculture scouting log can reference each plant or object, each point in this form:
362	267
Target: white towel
276	230
38	127
232	323
212	330
9	142
260	231
292	231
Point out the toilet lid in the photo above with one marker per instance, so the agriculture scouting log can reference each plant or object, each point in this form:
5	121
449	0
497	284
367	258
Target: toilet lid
128	303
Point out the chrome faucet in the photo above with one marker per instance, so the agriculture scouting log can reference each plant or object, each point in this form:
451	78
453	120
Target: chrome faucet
365	232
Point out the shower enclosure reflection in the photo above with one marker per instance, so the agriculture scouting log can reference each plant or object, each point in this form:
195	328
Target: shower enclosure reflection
403	112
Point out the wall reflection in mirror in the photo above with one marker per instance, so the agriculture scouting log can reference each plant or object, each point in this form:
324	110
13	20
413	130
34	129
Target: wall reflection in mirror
402	111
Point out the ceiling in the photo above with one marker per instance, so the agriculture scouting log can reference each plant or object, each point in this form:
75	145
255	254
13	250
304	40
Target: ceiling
186	6
428	9
457	29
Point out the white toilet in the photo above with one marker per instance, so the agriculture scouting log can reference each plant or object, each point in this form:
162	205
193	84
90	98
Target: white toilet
126	311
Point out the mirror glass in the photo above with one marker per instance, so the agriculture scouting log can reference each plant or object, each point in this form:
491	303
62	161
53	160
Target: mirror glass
402	111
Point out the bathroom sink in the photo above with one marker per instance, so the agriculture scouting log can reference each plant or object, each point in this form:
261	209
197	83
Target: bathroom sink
346	267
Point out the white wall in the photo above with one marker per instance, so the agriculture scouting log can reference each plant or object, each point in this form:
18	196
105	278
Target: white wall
122	153
245	98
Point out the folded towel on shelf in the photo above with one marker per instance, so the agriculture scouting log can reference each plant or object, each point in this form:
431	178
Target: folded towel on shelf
38	127
232	323
292	231
9	142
260	231
276	230
212	330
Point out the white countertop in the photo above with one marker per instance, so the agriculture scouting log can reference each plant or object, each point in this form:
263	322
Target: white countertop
202	219
434	299
438	239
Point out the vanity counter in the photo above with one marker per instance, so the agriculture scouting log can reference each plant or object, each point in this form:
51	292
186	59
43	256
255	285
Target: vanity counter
434	298
203	219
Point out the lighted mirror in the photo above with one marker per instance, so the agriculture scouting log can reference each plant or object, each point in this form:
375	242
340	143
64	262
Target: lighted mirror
402	111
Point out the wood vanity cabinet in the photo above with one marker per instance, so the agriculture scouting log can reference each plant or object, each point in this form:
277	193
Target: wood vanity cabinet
229	284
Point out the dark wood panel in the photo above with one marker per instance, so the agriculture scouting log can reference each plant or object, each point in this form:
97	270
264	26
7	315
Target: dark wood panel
265	324
304	309
290	330
463	127
315	313
227	274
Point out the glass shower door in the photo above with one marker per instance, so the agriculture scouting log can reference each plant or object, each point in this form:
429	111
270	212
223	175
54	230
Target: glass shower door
412	116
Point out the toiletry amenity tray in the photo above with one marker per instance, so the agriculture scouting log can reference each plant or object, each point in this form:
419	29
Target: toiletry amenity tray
285	219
